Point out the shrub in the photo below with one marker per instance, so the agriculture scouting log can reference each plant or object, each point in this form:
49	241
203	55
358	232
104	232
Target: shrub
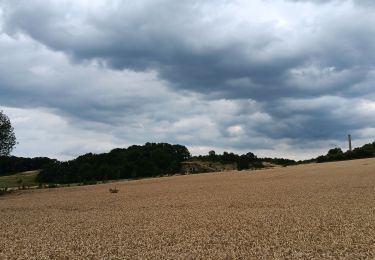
114	190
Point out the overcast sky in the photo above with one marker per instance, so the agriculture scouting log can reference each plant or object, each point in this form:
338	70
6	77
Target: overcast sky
275	77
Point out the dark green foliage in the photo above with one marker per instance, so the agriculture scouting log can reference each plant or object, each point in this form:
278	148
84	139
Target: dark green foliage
280	161
11	164
336	154
366	151
7	137
245	161
242	163
137	161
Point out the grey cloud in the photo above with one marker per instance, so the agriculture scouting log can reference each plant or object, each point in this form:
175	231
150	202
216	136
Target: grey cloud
357	2
179	44
317	1
193	72
321	118
187	50
133	107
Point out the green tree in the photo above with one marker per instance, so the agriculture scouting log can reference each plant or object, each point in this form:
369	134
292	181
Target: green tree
212	156
335	151
7	136
243	162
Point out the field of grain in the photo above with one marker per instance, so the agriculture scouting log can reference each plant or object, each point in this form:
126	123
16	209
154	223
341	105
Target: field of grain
310	211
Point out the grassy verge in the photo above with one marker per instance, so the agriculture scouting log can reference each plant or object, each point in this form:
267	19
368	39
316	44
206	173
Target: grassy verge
19	180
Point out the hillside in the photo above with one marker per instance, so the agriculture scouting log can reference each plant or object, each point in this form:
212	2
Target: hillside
23	179
153	160
308	211
200	166
13	165
148	160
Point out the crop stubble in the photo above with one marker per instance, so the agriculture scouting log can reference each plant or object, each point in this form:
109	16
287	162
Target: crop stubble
310	211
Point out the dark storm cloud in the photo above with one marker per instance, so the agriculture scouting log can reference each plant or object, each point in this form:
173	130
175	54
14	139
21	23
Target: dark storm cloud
320	118
185	47
293	70
171	40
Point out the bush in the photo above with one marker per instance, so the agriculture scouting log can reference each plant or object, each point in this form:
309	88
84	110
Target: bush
114	190
91	182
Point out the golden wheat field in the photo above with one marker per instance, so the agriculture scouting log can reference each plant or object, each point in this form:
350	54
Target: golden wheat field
310	212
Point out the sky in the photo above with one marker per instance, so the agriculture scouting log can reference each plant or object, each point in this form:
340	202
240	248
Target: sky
279	78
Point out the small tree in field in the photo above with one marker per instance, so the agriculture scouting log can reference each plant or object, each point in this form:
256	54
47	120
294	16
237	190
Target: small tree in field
7	137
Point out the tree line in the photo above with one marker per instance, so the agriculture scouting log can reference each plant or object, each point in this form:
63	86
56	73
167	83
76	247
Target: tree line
149	160
244	161
137	161
13	164
336	154
134	162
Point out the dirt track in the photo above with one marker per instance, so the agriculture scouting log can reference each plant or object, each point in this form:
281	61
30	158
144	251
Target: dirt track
313	211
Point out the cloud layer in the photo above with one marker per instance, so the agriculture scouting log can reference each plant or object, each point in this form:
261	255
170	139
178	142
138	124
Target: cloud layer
289	77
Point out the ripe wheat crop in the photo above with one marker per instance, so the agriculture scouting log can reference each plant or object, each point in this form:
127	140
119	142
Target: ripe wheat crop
309	212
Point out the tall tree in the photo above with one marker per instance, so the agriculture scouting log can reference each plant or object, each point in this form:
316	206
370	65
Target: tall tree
7	136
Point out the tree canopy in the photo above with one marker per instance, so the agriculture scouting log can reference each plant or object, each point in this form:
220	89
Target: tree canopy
136	161
244	161
7	136
12	164
336	154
